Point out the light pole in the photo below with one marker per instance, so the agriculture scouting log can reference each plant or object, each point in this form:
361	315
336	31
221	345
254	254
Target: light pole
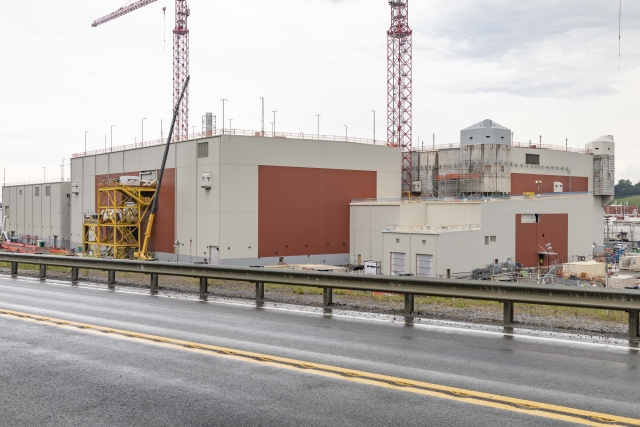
62	173
193	131
161	133
45	172
112	126
230	120
223	101
346	136
105	143
4	179
272	131
274	122
262	121
374	126
85	142
538	183
318	116
143	119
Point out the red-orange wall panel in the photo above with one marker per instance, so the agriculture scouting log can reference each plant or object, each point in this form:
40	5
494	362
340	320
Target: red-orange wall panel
524	182
305	211
531	238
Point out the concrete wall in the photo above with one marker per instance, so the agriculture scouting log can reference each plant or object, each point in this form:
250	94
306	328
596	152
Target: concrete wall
41	215
553	162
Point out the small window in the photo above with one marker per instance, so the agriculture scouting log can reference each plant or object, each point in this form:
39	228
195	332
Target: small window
397	240
20	192
502	137
470	137
487	136
203	149
47	190
493	238
424	242
529	218
486	240
501	168
533	159
36	191
487	168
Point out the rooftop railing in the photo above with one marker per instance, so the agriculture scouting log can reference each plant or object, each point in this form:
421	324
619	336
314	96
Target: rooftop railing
513	144
471	198
233	132
42	181
428	228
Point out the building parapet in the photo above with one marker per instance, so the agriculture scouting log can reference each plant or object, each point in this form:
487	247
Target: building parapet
42	181
431	229
232	132
514	144
470	199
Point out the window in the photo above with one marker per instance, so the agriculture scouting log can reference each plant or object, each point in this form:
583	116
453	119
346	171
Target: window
424	242
529	218
36	191
486	240
47	190
487	168
533	159
487	136
501	168
20	192
397	240
493	238
203	149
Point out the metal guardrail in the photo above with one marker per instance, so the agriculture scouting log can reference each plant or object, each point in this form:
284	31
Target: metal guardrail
506	292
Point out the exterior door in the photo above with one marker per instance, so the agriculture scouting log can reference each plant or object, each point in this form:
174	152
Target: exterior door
214	255
424	265
398	263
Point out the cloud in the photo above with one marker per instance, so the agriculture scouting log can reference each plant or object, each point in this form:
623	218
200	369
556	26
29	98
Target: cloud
535	49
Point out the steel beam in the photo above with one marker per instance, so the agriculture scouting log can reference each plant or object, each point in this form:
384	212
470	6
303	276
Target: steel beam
634	326
327	297
507	310
259	290
409	304
153	286
204	286
43	271
74	274
14	269
112	279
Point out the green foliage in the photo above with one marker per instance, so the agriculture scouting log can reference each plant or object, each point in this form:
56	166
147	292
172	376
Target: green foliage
632	200
624	188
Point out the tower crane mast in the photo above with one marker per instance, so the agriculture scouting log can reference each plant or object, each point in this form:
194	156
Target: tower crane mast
180	58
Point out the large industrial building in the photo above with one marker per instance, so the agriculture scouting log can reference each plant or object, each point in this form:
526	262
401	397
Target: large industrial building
38	211
489	201
245	200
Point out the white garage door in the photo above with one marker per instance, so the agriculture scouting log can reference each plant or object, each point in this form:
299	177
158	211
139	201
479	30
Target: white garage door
424	265
398	263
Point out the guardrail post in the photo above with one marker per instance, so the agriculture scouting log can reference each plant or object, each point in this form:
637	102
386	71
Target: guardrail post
507	312
14	269
112	279
74	274
327	297
43	271
204	286
154	284
634	325
259	290
409	303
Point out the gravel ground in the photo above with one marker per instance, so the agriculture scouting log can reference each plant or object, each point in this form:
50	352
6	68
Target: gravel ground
179	287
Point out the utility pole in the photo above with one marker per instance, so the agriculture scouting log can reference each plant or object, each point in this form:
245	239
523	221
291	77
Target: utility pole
374	126
262	120
274	122
223	101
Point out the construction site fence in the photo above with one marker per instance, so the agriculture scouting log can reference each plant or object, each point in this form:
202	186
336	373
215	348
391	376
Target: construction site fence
409	286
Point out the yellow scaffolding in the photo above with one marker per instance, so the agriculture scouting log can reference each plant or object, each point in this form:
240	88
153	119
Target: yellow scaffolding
115	230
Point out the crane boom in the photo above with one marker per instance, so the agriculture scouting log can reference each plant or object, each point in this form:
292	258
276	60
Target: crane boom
122	11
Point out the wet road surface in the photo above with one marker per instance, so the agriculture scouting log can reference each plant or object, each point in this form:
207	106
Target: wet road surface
56	375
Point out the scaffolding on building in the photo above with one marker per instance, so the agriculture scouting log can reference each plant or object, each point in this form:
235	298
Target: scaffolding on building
474	170
603	175
115	229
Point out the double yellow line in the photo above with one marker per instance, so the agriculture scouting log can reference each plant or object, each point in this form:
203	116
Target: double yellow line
528	407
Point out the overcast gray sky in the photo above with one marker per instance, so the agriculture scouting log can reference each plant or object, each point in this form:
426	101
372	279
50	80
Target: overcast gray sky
544	67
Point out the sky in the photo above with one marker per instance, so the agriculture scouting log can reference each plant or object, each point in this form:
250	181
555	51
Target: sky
548	68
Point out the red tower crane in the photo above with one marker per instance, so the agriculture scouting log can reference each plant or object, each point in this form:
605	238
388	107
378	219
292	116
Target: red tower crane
180	58
399	97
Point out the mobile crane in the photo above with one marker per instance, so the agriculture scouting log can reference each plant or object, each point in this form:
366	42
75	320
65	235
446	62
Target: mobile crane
143	254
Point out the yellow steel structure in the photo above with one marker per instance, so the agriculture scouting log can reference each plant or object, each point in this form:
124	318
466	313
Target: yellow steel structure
115	230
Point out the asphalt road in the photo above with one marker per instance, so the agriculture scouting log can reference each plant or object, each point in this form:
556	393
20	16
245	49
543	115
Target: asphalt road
58	376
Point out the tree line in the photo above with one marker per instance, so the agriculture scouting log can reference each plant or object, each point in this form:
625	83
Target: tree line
624	188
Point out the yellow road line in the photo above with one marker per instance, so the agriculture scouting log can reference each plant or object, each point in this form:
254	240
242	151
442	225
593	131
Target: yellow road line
528	407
